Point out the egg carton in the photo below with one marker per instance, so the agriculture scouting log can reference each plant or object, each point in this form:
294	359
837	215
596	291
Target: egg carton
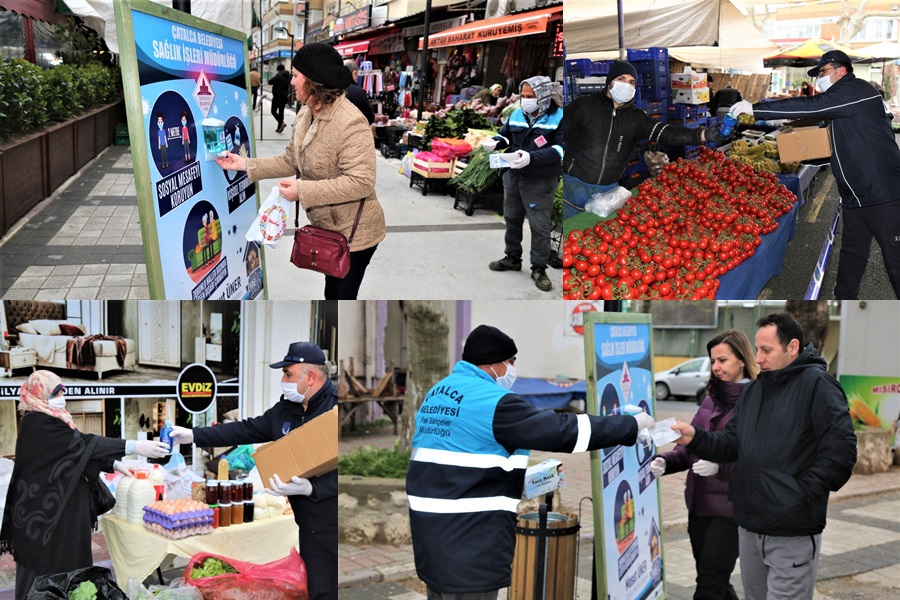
175	520
179	533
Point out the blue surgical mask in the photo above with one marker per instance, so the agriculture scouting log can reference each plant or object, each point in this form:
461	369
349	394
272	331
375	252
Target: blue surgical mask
183	122
160	125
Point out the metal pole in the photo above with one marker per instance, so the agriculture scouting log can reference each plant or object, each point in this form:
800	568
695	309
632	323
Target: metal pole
261	87
423	64
540	562
182	5
621	32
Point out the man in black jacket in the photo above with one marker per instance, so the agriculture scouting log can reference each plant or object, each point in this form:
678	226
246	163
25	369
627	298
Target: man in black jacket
603	129
793	441
281	94
356	94
865	162
307	393
532	139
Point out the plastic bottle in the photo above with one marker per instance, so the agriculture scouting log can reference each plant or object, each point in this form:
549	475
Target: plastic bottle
165	435
122	497
140	494
237	136
223	468
158	479
728	123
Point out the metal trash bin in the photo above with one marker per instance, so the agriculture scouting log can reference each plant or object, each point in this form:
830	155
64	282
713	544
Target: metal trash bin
560	557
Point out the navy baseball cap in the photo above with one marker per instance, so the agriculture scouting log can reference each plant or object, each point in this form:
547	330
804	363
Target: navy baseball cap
832	56
301	352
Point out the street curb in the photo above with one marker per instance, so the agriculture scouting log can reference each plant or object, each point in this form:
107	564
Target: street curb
356	578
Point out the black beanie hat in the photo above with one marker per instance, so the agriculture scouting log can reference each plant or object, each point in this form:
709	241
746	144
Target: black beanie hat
321	63
488	345
620	67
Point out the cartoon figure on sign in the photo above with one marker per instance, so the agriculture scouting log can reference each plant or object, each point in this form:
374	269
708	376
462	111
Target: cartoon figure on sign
624	514
207	241
202	240
185	137
162	141
252	261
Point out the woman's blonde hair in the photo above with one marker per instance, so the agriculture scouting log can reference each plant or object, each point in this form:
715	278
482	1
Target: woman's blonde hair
740	345
320	96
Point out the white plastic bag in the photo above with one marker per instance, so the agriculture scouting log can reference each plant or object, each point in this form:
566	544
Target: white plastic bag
176	590
271	220
604	204
179	478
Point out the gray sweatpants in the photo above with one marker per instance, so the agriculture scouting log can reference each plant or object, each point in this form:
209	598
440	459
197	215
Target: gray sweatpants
532	197
778	568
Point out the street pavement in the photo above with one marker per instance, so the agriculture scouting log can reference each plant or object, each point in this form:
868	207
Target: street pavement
84	242
860	550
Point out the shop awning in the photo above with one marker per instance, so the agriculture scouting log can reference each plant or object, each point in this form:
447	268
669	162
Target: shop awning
510	26
42	10
354	47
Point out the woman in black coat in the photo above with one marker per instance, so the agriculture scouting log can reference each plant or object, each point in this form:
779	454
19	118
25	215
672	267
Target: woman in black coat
49	506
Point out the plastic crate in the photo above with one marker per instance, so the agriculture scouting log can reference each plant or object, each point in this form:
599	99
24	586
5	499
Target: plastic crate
685	152
588	86
686	111
635	166
633	180
651	66
648	54
580	67
122	135
653	107
689	123
659	89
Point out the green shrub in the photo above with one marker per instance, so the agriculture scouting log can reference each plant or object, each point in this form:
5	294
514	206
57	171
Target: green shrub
370	461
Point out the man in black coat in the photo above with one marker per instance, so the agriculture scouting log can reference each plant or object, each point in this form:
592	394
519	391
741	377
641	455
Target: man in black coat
865	162
793	441
281	95
356	94
307	393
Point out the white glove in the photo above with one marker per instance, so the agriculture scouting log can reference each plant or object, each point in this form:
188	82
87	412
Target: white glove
644	421
297	487
522	159
118	466
741	108
151	449
704	468
658	467
489	144
182	435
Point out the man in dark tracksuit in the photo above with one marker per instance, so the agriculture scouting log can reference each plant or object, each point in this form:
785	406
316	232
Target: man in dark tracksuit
793	441
603	129
467	469
865	162
281	95
307	393
533	136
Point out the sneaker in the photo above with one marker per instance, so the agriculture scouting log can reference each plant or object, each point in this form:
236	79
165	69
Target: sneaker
506	264
541	280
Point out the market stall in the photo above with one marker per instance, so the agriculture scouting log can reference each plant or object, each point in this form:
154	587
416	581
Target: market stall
137	552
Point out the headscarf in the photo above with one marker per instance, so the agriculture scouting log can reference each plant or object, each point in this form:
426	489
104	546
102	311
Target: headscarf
543	88
36	392
495	87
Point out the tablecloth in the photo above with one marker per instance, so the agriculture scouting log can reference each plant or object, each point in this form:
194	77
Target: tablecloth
137	552
545	394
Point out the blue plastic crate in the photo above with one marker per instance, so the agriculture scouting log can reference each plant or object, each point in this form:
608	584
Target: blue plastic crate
653	107
648	54
580	67
659	91
652	66
686	152
635	166
656	81
582	87
689	123
686	111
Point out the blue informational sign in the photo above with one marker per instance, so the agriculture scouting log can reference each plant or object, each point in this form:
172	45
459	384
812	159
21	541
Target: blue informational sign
192	103
626	495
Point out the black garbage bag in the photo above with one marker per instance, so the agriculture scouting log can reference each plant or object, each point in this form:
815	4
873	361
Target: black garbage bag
58	586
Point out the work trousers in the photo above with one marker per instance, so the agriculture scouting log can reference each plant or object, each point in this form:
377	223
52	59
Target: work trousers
714	542
861	225
348	287
778	567
278	104
433	595
320	557
530	197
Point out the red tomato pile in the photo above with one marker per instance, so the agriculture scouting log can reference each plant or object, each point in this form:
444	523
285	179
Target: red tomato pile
696	221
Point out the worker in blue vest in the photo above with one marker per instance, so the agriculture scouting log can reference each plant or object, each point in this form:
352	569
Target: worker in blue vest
467	469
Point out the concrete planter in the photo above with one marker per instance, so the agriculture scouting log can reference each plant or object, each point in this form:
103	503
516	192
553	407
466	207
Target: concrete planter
372	510
873	451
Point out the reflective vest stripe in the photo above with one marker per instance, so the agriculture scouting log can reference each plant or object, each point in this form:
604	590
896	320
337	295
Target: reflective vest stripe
463	505
584	434
466	459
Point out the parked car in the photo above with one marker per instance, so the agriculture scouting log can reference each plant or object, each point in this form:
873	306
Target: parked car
683	381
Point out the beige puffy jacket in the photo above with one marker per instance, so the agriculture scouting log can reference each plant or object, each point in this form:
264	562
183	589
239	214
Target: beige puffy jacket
335	154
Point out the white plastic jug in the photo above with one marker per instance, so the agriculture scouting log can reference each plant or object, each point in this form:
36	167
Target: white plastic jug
158	480
140	494
122	497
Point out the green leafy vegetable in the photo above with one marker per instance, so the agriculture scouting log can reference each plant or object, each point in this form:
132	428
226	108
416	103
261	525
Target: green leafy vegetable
212	567
478	174
85	591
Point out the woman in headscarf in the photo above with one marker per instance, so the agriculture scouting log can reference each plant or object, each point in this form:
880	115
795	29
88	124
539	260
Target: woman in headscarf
49	510
711	525
330	161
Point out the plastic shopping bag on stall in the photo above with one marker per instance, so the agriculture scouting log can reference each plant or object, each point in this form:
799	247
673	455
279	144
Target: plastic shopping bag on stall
58	586
283	578
179	478
606	203
241	458
271	220
177	590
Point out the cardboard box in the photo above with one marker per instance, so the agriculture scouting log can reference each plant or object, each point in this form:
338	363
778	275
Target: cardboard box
690	96
542	478
687	81
433	169
796	144
309	450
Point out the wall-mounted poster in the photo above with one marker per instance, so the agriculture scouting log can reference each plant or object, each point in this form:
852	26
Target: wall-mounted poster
186	94
627	518
874	401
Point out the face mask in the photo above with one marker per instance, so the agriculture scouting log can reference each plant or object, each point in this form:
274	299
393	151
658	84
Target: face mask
823	83
529	105
183	122
621	92
508	379
58	402
160	125
291	393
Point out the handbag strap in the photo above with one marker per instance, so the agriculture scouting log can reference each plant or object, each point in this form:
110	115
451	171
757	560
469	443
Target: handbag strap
362	203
